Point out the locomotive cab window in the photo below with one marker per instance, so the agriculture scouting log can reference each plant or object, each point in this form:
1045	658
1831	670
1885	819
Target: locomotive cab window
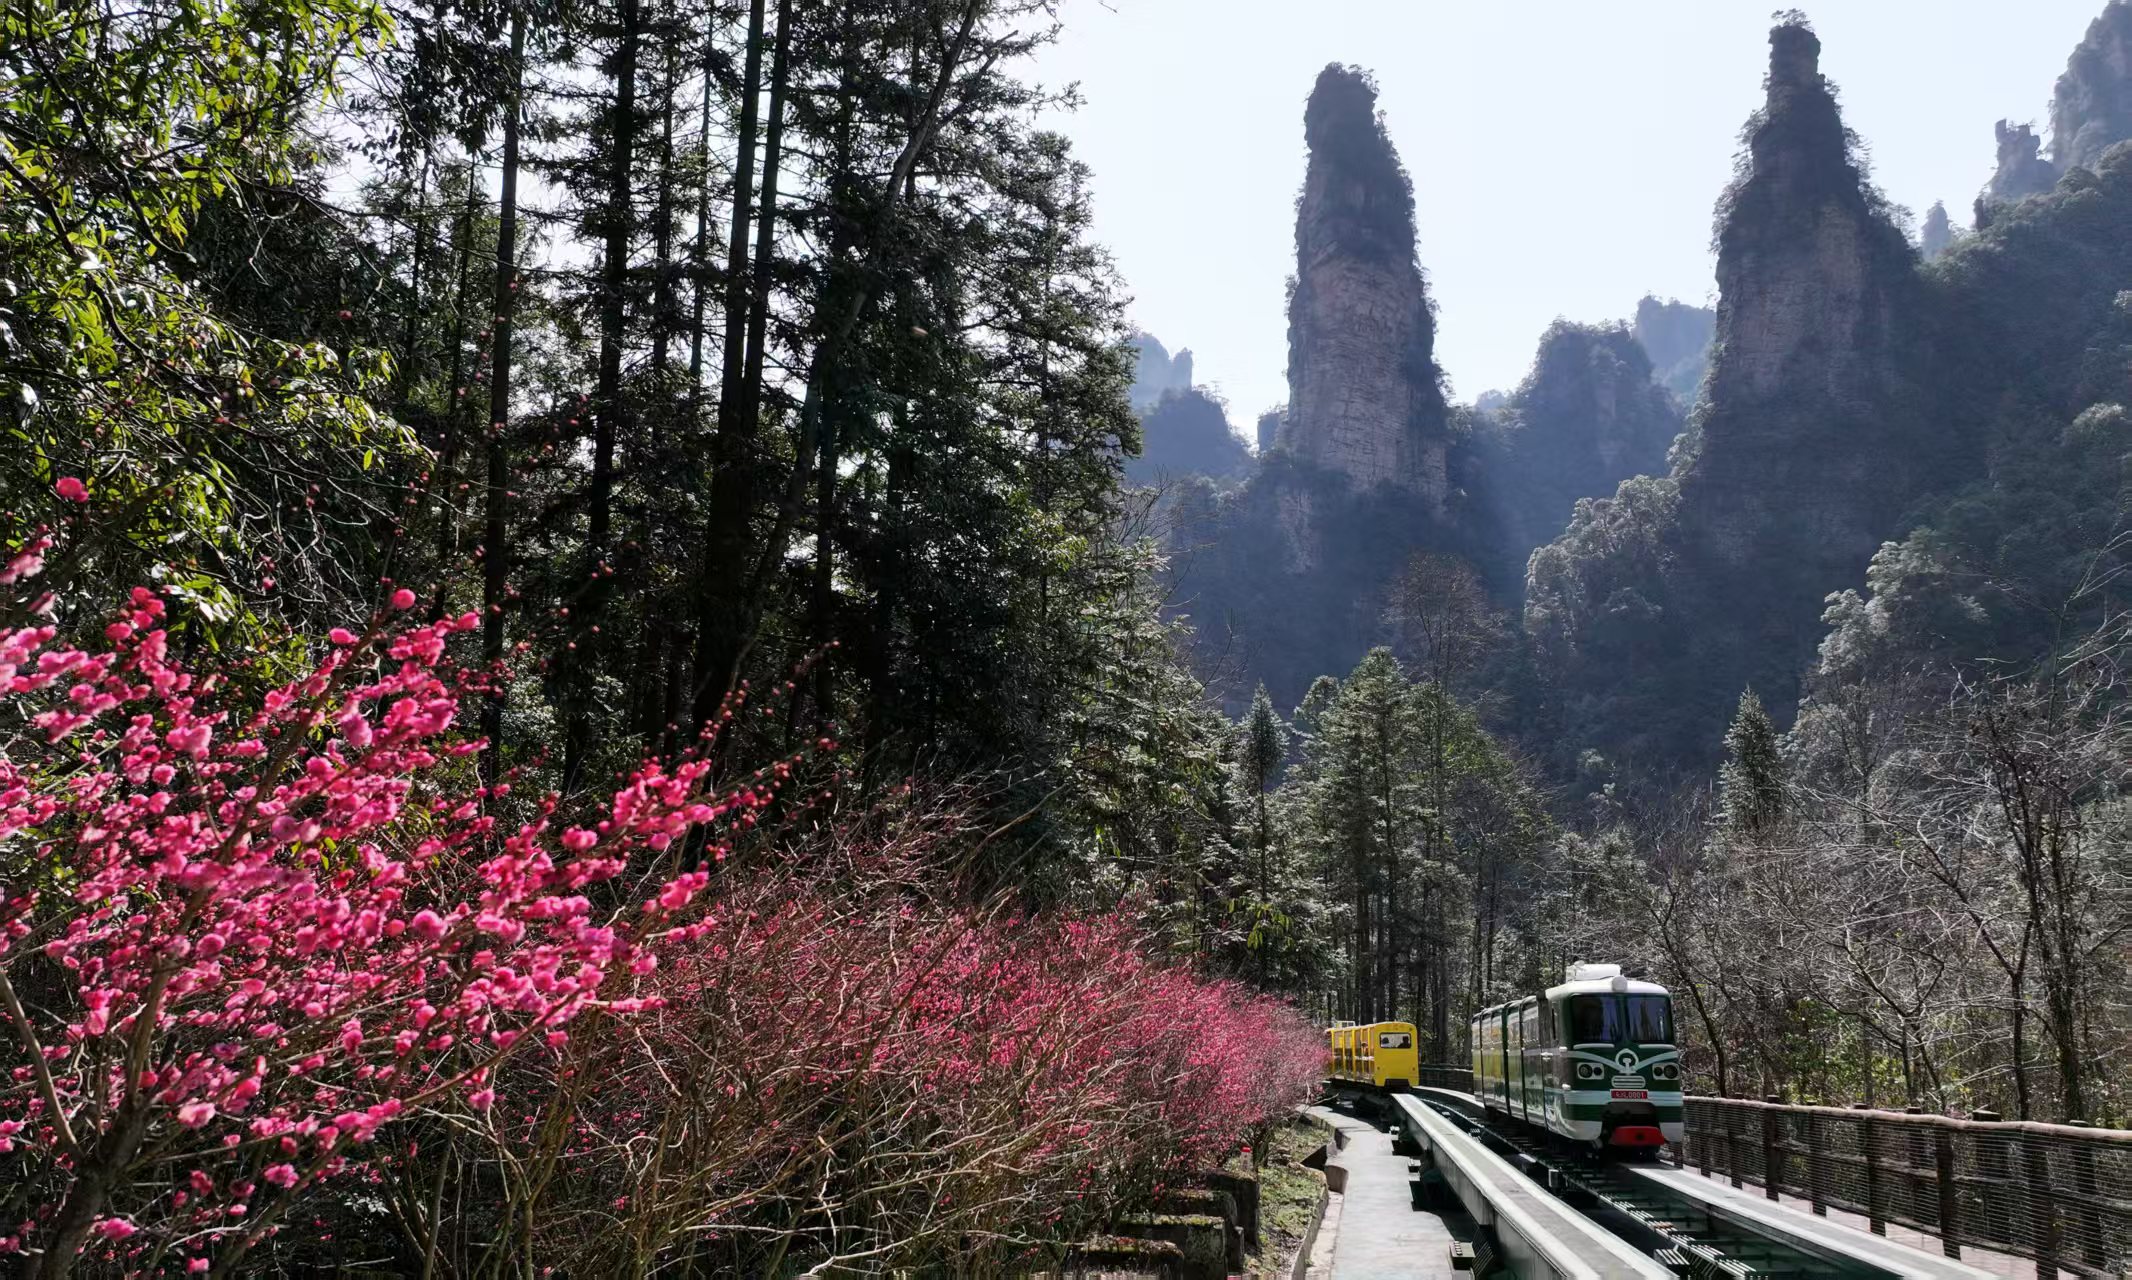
1394	1040
1614	1019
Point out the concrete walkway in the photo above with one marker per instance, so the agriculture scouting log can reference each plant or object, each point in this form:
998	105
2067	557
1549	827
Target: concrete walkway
1372	1231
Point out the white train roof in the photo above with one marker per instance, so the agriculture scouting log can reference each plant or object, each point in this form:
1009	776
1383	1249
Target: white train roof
1591	980
1607	986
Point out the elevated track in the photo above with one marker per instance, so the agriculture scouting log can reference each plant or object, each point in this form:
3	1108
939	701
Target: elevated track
1549	1212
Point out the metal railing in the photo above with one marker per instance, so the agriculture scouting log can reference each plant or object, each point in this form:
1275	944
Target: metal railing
1435	1077
2058	1194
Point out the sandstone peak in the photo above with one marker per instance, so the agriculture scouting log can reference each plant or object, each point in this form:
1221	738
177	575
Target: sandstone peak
1937	234
1365	396
2091	108
2022	171
1794	58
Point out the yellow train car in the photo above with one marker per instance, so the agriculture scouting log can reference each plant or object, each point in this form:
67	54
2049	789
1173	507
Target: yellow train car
1383	1054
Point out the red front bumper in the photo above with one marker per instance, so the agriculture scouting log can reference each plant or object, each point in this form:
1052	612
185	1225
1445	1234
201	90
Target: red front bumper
1637	1135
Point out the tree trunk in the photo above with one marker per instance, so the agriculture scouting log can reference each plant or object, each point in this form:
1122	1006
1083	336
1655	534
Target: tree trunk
720	628
455	397
495	547
608	409
731	617
662	331
411	323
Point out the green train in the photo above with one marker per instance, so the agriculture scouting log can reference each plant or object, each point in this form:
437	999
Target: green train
1592	1060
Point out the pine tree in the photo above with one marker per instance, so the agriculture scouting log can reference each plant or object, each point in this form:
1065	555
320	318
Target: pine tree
1264	746
1751	783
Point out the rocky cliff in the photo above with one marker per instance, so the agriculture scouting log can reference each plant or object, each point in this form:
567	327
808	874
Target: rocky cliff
1586	418
2091	109
1186	433
1676	336
1937	233
1155	371
1813	280
2021	170
1365	397
1801	458
1269	428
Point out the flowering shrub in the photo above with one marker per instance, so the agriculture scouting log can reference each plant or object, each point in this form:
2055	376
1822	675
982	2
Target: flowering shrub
889	1074
234	945
271	972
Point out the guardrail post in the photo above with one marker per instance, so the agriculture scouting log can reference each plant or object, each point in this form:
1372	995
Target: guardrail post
1949	1197
1915	1143
1772	1150
2091	1229
1732	1143
2042	1211
1995	1168
1816	1163
1705	1138
1869	1146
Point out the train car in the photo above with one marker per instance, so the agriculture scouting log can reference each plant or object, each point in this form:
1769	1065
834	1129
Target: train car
1592	1060
1380	1054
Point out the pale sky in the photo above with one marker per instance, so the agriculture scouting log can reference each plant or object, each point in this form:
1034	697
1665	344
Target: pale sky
1565	154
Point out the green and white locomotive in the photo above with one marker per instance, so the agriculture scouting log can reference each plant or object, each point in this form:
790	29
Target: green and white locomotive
1592	1060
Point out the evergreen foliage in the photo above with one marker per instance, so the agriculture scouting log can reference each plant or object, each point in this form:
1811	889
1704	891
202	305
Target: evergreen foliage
1751	781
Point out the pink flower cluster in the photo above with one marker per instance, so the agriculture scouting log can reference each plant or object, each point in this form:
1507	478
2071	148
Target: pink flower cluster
234	944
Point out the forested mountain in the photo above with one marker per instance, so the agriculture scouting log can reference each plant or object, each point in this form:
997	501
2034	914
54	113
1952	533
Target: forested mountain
1888	546
1184	430
1854	393
1677	337
1589	416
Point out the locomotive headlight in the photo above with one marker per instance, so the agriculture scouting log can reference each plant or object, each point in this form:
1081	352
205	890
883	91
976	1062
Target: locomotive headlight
1666	1071
1590	1071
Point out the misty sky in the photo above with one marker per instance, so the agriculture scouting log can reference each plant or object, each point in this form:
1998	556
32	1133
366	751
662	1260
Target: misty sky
1565	155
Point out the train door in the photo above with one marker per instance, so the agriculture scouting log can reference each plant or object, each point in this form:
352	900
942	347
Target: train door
1534	1050
1554	1063
1492	1032
1513	1063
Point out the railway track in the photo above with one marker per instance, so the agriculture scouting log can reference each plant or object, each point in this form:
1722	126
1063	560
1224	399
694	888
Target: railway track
1681	1231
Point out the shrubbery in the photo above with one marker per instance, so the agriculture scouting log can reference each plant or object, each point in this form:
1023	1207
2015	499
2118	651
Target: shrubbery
274	977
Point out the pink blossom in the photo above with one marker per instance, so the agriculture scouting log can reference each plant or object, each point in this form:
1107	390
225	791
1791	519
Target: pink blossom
72	489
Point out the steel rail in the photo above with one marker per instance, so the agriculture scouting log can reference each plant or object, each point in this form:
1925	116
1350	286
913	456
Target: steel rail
1696	1231
1537	1236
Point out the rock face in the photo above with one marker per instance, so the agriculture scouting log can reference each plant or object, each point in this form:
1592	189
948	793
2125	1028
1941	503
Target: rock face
1798	447
1588	417
1659	606
1269	428
1365	397
1156	372
2091	109
1676	336
2022	171
1936	234
1186	433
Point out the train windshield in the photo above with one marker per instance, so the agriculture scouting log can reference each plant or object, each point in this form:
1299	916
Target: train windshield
1620	1020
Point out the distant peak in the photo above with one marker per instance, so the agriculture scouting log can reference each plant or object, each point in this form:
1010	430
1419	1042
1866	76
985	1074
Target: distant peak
1794	55
1343	99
